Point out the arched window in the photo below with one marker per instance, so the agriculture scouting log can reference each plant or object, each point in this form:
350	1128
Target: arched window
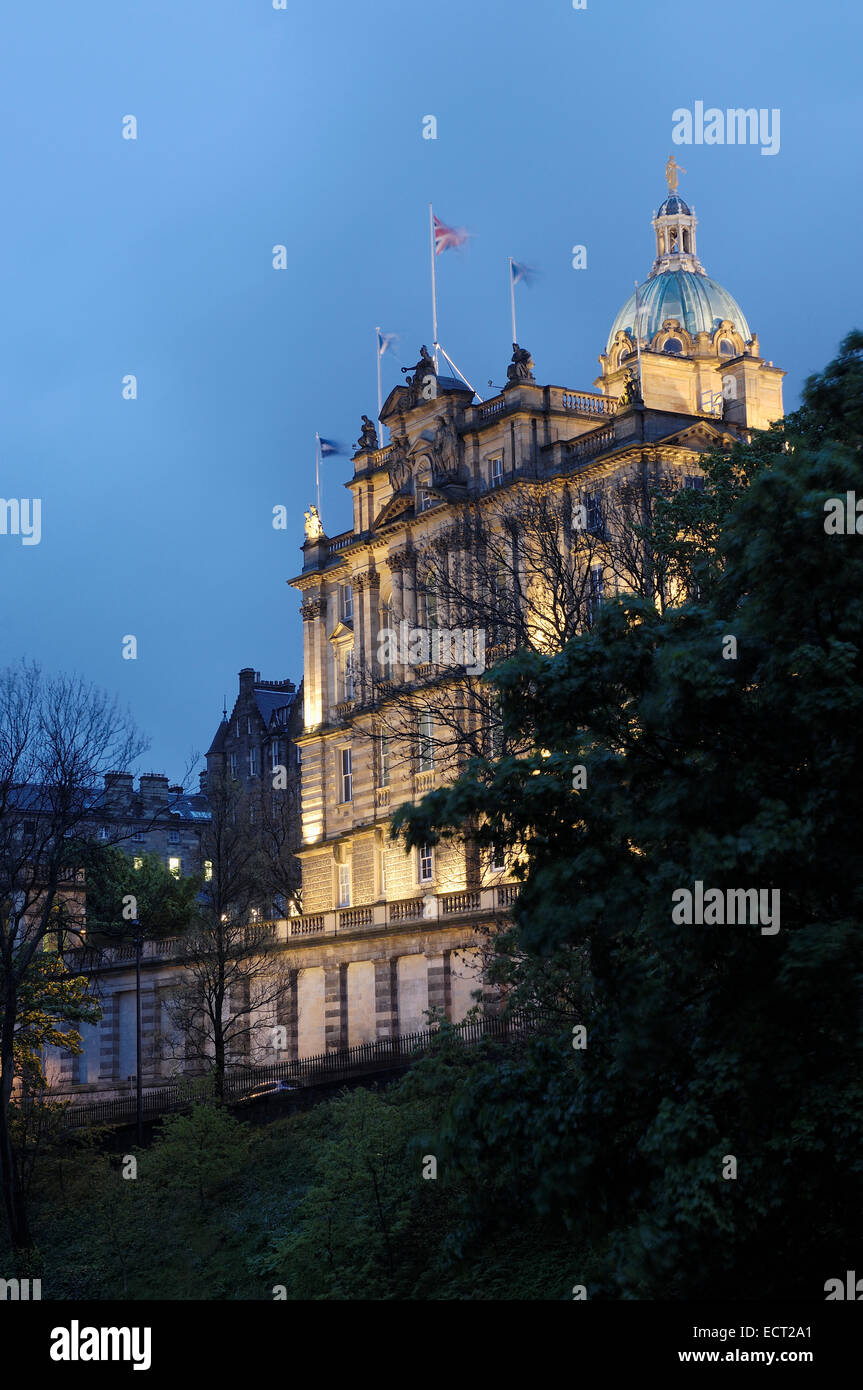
673	346
727	349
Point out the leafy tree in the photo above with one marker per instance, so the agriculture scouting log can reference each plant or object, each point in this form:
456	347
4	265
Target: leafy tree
735	764
197	1152
162	903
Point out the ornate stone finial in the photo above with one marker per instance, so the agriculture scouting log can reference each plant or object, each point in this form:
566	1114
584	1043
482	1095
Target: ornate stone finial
369	436
672	169
314	525
521	366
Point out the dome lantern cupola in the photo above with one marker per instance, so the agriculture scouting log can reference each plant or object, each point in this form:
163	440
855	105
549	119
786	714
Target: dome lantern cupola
674	226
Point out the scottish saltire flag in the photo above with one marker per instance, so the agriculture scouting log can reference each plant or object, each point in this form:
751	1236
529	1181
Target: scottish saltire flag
446	237
386	340
328	446
522	272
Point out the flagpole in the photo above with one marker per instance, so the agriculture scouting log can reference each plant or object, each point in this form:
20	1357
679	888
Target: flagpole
380	399
434	286
318	471
512	300
638	343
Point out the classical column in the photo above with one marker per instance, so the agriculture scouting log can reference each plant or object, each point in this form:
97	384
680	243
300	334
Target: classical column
386	999
366	664
440	1001
314	688
397	562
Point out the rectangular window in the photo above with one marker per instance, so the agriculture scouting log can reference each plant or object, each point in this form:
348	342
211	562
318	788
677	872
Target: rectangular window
102	833
347	603
695	481
497	859
385	754
253	762
173	837
349	675
595	518
254	914
431	607
426	863
597	588
496	472
233	764
208	870
137	862
174	867
382	862
252	814
426	743
275	763
347	775
344	885
424	500
238	728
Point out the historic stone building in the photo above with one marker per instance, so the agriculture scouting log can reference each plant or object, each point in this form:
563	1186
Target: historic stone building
386	936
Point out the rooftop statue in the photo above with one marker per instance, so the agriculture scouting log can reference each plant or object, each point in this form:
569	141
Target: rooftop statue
521	366
314	525
422	381
672	169
368	436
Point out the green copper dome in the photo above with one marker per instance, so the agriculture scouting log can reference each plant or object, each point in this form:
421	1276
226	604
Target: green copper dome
696	301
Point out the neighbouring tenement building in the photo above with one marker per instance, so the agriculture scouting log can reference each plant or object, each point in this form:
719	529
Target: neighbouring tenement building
480	528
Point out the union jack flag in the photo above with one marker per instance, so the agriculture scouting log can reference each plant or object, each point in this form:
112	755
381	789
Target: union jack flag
446	237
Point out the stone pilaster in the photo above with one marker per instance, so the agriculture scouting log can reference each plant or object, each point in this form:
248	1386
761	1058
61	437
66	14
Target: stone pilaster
336	1006
386	999
109	1038
440	1001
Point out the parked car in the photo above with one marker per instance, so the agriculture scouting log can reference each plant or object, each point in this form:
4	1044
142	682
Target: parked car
269	1088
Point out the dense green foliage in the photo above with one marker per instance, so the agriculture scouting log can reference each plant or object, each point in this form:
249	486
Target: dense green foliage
736	764
118	893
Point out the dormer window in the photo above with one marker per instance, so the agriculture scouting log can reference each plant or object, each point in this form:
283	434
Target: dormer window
673	346
727	349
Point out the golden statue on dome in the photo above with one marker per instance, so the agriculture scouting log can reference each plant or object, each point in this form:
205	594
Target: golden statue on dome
672	169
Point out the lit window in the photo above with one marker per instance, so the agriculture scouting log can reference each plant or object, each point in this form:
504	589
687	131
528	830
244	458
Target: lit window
255	914
208	870
347	596
496	472
137	862
426	863
347	775
344	885
426	743
174	866
173	837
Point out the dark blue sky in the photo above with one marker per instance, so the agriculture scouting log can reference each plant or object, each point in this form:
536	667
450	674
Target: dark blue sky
304	127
